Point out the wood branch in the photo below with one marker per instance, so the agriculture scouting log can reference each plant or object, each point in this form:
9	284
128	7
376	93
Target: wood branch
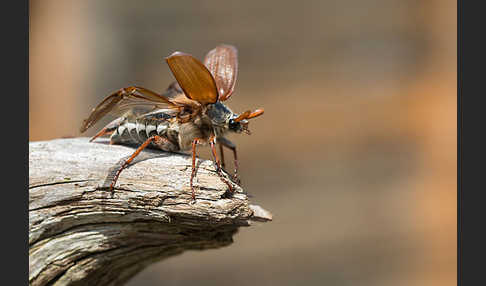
80	233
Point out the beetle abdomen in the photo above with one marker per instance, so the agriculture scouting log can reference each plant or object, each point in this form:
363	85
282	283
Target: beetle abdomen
137	131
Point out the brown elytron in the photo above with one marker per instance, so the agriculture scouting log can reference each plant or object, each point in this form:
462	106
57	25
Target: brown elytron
190	112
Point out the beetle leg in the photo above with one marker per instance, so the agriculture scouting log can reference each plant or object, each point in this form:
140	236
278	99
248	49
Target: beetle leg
222	155
218	163
109	128
135	154
193	173
230	145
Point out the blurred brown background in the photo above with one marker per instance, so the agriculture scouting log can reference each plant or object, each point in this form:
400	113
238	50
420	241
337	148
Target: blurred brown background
355	155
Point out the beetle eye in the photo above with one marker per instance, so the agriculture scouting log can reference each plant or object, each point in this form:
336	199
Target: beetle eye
232	124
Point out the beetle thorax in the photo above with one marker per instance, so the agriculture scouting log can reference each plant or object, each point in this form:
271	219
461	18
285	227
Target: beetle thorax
219	114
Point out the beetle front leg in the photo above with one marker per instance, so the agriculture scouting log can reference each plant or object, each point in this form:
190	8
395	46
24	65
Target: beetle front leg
212	142
230	145
222	155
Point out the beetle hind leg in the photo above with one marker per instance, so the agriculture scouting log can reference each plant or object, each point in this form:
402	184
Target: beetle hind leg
109	128
155	138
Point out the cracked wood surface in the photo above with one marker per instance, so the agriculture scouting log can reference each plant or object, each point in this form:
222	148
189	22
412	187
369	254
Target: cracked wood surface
82	234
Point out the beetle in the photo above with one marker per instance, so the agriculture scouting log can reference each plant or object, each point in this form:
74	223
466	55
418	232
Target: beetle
190	112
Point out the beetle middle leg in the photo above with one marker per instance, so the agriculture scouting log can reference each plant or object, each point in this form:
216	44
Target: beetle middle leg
193	171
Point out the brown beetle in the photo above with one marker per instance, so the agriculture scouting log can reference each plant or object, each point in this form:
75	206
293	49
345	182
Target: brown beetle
189	113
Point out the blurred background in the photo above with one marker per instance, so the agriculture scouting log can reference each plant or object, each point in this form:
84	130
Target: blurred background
355	155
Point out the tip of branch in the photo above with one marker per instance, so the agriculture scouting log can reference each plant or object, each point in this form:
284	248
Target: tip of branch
260	214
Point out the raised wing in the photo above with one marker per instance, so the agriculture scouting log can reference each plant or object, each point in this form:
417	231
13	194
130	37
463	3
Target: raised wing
173	90
222	62
193	77
135	99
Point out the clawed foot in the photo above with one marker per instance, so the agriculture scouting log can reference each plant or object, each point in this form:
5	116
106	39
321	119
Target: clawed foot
236	179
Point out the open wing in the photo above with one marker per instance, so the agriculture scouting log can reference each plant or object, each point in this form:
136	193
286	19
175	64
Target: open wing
173	90
222	62
138	100
193	77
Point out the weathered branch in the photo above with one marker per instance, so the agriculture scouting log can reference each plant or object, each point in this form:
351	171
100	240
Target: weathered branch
82	234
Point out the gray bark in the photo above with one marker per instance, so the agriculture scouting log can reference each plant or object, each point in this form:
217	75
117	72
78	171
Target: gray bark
82	234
